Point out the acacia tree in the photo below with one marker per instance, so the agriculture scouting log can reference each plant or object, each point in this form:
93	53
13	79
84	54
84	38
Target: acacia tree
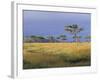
51	38
37	38
62	37
33	38
74	30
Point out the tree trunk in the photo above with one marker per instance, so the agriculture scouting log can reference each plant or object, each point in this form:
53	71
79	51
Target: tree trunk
75	37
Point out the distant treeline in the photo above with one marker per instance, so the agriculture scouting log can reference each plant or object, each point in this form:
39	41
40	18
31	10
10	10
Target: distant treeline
61	38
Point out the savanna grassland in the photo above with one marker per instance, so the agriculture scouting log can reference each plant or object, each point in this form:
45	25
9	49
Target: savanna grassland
50	55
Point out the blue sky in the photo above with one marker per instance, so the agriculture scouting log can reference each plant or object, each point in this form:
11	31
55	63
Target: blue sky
52	23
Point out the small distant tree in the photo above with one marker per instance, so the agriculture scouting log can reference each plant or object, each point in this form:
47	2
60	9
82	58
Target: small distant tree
62	38
74	30
51	38
33	38
40	37
37	38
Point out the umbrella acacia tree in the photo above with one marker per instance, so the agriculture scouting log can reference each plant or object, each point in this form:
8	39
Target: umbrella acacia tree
74	29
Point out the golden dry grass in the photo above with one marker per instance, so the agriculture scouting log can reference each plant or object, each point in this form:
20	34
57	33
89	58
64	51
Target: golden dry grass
46	55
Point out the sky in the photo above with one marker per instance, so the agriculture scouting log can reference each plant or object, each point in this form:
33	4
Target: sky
44	23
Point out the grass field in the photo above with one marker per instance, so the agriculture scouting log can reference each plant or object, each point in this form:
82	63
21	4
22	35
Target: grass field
50	55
